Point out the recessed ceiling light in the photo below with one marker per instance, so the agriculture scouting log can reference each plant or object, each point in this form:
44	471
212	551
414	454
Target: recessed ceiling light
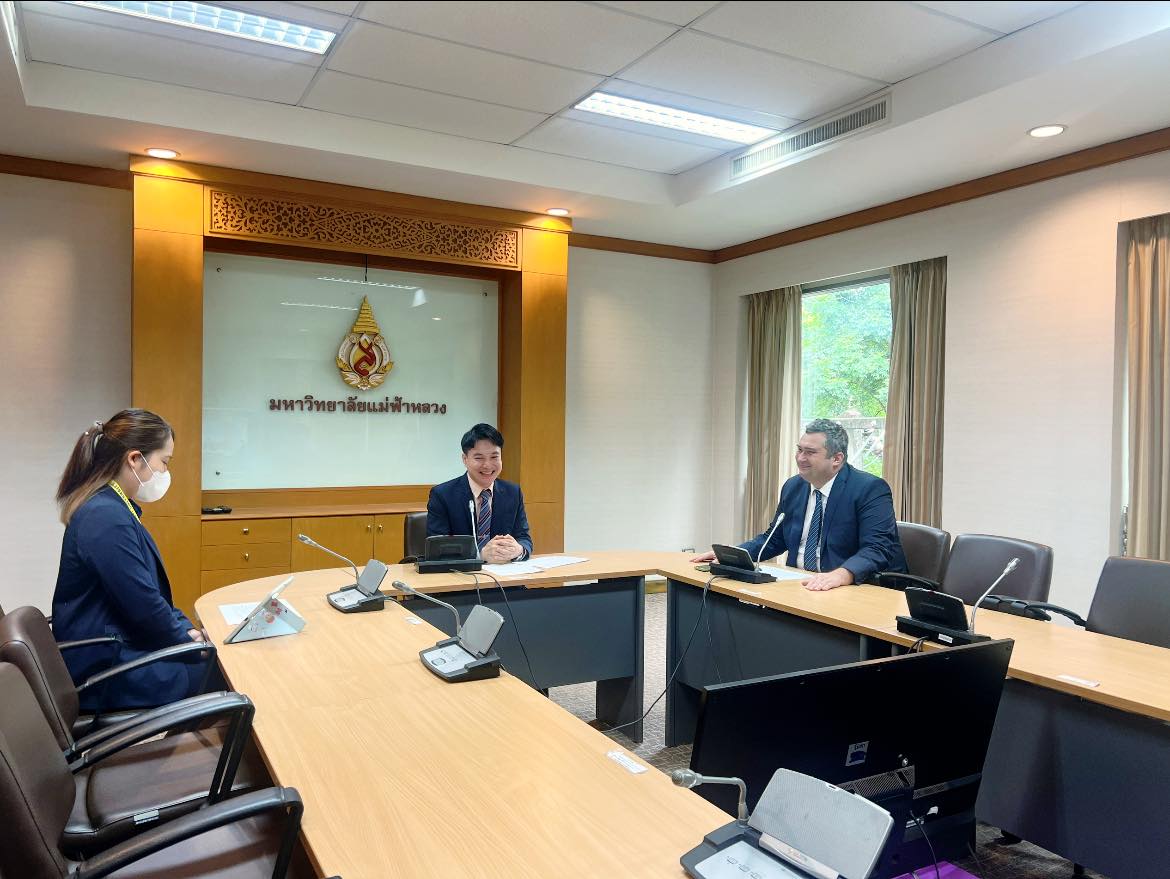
159	153
672	117
1047	131
217	20
558	212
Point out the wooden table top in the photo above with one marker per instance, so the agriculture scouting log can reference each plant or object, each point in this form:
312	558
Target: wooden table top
315	510
1131	676
404	775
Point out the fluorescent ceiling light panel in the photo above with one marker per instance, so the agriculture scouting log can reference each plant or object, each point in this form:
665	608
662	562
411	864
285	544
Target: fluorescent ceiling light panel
217	20
671	117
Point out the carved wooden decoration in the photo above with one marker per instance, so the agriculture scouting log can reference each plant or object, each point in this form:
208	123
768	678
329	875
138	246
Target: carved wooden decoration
263	217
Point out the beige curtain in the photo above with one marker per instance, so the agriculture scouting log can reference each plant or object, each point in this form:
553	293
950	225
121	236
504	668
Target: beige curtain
773	398
1148	300
912	459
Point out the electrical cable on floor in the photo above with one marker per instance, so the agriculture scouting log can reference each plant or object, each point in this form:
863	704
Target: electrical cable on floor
678	665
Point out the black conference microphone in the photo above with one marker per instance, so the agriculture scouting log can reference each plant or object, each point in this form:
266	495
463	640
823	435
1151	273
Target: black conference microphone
305	538
410	590
1011	566
689	778
474	528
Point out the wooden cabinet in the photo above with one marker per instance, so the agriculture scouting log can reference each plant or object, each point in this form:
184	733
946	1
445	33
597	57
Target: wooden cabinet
351	536
232	550
389	541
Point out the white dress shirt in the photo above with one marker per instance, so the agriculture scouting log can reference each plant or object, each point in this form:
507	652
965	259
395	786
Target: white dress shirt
808	514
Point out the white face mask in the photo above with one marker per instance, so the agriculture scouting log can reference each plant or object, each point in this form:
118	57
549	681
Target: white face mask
154	488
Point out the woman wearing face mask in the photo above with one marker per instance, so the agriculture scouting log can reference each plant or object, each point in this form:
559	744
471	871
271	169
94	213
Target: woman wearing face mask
111	579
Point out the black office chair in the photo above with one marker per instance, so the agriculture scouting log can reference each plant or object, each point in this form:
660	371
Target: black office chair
414	537
976	560
1132	601
926	549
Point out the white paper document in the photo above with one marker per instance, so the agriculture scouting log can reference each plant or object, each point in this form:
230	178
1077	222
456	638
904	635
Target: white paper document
534	565
785	573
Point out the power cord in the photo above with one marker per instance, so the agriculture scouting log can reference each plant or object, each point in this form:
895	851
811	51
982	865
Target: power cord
714	654
678	665
916	647
515	627
933	856
978	860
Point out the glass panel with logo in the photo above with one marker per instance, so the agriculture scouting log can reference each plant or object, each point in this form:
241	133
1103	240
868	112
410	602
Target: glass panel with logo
329	375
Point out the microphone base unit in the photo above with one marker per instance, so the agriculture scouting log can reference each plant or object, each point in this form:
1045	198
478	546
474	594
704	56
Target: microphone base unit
939	634
742	574
353	600
444	566
449	661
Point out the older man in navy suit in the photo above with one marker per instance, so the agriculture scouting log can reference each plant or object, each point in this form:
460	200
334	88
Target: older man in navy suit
838	521
481	504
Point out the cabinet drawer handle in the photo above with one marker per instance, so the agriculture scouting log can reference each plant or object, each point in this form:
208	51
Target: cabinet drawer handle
369	528
380	529
247	556
247	530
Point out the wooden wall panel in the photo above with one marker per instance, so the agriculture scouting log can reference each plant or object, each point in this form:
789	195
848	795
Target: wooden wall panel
511	305
546	522
168	206
542	408
178	541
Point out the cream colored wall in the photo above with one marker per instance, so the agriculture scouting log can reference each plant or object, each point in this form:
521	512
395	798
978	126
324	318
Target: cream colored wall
64	355
638	435
1032	446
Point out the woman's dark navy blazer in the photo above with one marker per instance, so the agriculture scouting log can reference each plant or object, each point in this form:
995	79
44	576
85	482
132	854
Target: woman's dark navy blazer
112	581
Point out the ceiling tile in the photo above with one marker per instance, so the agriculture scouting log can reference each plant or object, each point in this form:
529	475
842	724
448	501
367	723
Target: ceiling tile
399	105
699	65
127	53
341	7
1003	17
675	13
568	137
556	33
407	59
886	41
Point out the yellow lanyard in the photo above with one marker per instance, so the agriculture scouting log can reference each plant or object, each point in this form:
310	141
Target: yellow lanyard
125	500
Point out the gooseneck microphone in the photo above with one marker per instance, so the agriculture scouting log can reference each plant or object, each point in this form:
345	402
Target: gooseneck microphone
1011	566
474	527
410	590
760	554
305	538
689	778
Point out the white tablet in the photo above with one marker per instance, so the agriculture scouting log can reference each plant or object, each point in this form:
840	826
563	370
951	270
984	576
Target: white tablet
268	605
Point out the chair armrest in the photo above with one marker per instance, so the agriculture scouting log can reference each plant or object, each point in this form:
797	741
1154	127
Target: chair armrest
896	580
235	707
93	739
88	642
172	652
283	799
1036	610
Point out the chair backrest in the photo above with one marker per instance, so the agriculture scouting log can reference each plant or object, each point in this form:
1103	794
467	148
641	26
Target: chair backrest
926	549
27	642
414	535
36	786
1132	601
977	559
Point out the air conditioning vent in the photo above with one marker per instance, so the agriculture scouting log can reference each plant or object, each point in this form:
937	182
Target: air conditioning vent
788	147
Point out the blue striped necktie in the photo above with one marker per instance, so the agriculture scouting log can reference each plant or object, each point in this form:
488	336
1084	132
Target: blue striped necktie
813	541
483	517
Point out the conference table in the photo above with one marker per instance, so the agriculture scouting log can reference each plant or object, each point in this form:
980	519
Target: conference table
404	774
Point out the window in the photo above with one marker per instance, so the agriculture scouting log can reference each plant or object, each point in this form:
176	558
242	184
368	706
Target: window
845	363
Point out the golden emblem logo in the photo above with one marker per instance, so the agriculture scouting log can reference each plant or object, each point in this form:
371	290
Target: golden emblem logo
363	357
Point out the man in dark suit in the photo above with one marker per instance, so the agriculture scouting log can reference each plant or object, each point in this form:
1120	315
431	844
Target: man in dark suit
838	521
478	500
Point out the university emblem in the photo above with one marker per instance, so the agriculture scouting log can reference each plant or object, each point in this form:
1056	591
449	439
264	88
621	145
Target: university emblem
363	357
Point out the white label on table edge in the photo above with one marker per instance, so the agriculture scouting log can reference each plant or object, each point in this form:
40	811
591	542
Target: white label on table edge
1083	682
626	761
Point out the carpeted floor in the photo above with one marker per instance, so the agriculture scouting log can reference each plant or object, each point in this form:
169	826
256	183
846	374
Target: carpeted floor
995	860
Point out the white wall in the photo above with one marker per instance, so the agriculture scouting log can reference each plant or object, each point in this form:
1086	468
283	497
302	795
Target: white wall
65	254
1031	434
638	434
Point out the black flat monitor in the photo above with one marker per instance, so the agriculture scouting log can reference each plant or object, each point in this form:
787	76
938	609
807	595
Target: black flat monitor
908	732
